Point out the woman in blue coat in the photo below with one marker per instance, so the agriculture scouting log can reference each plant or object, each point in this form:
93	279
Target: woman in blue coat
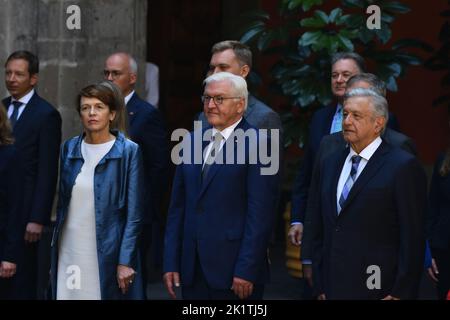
12	227
99	214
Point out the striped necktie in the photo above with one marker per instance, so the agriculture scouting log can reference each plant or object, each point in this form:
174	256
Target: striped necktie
209	161
350	180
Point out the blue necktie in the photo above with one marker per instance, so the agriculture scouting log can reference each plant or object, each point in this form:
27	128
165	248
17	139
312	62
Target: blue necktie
209	161
336	126
15	113
350	180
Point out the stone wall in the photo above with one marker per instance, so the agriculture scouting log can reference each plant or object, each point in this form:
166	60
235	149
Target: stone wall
71	59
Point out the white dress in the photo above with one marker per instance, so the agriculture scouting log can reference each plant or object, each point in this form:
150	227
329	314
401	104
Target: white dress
78	272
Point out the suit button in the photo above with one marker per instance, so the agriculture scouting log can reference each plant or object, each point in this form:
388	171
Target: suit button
337	229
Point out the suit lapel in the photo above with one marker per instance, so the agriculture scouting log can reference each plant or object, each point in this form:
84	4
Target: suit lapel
230	143
6	102
199	167
132	108
372	167
339	164
27	114
212	170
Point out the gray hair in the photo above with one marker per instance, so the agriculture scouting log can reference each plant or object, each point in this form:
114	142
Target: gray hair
238	84
131	61
378	102
133	64
349	56
375	83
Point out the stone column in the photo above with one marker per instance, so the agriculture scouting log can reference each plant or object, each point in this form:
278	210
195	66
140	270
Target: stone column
71	59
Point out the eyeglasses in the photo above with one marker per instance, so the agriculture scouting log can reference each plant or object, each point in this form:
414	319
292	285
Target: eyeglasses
218	100
114	74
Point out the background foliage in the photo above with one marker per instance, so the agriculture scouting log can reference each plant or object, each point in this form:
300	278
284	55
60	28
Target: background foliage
303	37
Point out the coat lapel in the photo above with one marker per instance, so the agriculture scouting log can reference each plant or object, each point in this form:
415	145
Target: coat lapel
230	143
337	173
6	102
372	167
132	108
28	113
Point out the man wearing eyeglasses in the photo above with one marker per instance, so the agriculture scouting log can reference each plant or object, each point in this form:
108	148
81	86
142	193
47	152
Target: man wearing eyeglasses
222	212
146	128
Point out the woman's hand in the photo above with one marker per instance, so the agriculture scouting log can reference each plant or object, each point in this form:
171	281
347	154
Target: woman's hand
125	277
7	269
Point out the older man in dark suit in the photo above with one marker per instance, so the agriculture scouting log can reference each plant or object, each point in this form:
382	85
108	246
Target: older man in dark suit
222	212
336	141
347	69
146	128
37	132
326	120
367	227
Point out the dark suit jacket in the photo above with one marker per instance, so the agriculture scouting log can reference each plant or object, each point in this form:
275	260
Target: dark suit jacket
11	213
320	127
37	136
438	217
147	129
380	224
330	144
226	220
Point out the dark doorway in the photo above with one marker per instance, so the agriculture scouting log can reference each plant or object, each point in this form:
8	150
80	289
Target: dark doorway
179	38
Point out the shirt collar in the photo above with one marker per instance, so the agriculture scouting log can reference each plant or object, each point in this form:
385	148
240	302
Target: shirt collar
368	151
25	99
128	97
226	133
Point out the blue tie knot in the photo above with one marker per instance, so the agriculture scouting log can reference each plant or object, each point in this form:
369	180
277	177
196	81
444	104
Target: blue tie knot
15	114
356	159
17	104
355	163
350	181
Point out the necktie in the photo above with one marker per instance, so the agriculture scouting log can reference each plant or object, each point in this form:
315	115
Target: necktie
336	126
350	180
15	114
212	154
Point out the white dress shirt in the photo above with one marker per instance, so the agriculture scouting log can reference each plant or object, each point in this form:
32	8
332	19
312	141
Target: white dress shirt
365	155
128	97
226	133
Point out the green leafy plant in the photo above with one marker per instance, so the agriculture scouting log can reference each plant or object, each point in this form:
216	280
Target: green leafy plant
440	61
304	37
